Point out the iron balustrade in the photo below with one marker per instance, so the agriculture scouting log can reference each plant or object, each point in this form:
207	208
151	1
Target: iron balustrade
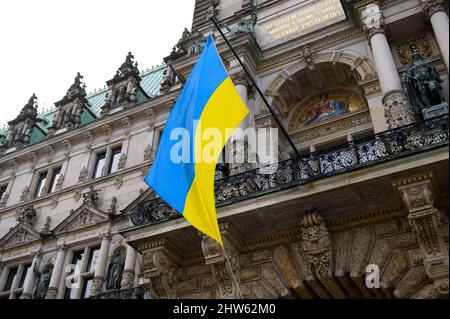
385	146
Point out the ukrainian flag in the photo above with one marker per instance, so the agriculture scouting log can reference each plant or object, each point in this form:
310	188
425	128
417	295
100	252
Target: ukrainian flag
208	100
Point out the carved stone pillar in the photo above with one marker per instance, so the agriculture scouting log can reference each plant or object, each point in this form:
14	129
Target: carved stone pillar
52	291
398	110
226	272
30	278
160	268
99	275
424	217
436	13
128	271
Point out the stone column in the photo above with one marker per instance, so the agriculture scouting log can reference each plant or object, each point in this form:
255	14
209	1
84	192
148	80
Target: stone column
436	13
30	278
242	156
397	108
417	194
128	271
52	291
99	275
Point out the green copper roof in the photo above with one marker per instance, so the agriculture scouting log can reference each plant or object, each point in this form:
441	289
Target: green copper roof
151	82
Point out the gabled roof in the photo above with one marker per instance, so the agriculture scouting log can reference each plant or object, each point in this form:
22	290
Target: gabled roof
19	235
150	84
84	216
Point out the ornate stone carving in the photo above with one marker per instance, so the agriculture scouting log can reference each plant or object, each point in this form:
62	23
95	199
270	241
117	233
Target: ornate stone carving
397	109
25	194
149	154
122	161
118	182
406	48
54	202
77	194
309	55
91	197
52	293
83	175
97	286
161	270
59	182
21	127
430	7
26	216
124	86
226	272
127	280
240	78
424	217
46	229
373	21
21	236
71	107
316	245
244	26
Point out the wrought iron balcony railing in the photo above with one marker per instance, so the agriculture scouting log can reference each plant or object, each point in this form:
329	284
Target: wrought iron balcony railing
386	146
133	293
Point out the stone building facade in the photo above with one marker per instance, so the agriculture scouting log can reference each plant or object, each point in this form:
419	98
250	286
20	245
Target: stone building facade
369	194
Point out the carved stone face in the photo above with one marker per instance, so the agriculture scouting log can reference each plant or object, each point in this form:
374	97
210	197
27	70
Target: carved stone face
315	240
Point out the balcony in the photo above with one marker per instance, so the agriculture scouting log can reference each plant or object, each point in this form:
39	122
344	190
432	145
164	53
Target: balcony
387	146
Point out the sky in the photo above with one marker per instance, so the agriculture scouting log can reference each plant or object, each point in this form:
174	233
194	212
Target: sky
44	43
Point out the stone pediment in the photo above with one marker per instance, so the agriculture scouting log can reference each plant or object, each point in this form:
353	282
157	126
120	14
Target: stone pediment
84	216
19	235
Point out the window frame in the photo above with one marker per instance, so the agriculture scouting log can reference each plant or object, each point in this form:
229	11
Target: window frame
109	152
47	188
3	190
15	290
84	275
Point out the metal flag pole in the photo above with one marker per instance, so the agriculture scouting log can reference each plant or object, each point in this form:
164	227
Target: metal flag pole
274	115
235	281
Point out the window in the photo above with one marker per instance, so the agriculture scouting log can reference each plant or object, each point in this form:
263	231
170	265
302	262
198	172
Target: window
82	274
40	185
115	158
54	181
24	274
10	279
2	191
107	162
14	279
47	182
99	165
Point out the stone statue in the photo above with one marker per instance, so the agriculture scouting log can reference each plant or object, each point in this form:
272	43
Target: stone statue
115	271
42	281
424	84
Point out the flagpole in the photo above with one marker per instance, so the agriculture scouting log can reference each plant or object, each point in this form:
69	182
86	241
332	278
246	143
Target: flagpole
235	281
274	115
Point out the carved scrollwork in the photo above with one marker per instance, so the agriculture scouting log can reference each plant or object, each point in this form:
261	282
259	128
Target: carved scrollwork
316	244
161	271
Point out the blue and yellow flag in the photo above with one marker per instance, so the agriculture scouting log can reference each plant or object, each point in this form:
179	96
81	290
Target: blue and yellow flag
208	101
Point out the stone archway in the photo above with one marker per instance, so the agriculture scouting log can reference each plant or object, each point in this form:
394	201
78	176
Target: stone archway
361	65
